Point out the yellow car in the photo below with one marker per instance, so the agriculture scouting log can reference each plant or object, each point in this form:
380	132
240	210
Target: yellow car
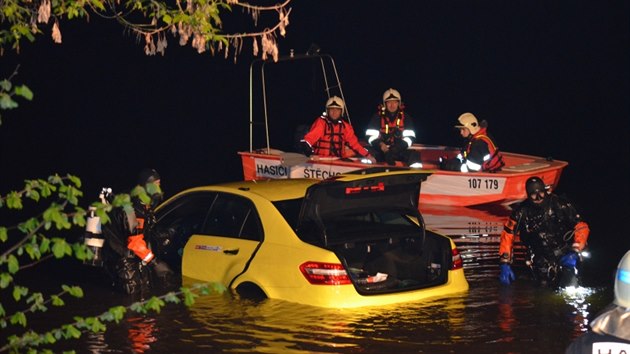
352	240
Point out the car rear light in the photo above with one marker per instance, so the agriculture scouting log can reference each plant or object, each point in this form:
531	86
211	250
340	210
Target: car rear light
457	260
318	273
380	187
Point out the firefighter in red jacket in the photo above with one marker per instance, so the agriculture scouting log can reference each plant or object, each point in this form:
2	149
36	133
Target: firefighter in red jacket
330	134
553	232
479	152
128	257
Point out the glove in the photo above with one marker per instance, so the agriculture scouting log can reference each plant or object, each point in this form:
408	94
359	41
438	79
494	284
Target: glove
507	275
306	148
570	260
369	159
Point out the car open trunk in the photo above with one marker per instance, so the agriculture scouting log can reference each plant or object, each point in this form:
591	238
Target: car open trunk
373	225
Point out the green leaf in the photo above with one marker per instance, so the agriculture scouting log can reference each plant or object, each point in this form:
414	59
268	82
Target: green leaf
82	252
5	85
73	290
49	338
114	314
13	264
154	304
75	180
19	292
5	280
14	200
95	325
4	234
71	331
6	102
189	297
24	91
44	245
172	297
59	248
19	318
56	300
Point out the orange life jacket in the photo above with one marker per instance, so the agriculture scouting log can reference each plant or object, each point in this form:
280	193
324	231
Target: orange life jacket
138	245
331	143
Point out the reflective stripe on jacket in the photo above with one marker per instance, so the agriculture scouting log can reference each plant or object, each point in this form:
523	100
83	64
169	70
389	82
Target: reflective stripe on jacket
491	162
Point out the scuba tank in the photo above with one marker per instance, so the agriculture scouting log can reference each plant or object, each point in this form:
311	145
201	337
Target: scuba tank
93	237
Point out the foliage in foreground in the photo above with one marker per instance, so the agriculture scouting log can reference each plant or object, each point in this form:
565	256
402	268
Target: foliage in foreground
8	92
198	22
41	237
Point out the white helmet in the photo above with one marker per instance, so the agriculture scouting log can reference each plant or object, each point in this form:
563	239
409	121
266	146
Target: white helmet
622	282
391	95
469	121
335	102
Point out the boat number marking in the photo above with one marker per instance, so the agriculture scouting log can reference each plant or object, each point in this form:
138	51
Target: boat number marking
483	183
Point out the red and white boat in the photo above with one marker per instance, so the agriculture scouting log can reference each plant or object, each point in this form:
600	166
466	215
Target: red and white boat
441	187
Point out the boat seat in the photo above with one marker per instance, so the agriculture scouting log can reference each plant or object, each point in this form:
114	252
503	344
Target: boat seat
525	167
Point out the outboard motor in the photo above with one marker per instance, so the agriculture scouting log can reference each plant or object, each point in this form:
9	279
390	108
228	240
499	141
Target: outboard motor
93	237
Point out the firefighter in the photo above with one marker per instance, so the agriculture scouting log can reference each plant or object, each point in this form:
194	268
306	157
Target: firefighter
553	232
128	257
390	132
610	331
479	152
330	135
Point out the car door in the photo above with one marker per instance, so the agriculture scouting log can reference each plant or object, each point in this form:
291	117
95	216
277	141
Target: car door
224	246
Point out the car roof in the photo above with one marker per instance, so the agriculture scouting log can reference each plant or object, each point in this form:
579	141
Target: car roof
274	189
287	189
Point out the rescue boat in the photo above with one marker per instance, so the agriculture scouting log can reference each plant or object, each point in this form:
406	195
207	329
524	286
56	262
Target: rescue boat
441	188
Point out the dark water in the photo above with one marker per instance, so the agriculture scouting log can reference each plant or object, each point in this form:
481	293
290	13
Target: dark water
489	318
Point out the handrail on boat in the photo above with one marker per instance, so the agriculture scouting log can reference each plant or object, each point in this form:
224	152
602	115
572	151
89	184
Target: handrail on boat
324	60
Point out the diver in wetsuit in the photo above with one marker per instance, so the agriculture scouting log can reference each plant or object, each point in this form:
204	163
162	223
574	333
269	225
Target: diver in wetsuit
553	232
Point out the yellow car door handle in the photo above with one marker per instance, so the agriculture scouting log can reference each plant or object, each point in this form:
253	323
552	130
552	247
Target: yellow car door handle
233	252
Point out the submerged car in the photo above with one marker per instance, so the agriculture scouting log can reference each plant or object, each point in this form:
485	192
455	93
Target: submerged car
353	240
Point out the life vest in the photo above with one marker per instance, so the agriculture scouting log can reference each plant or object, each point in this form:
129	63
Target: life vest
331	143
495	162
391	129
137	244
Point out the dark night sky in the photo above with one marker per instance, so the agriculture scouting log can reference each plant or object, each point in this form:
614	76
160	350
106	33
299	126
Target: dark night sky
551	77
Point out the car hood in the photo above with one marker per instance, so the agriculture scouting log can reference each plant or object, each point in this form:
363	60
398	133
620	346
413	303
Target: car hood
349	193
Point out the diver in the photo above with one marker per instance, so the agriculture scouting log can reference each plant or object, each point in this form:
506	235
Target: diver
553	232
128	257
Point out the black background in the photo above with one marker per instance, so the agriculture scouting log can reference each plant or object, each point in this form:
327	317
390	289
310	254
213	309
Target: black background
550	77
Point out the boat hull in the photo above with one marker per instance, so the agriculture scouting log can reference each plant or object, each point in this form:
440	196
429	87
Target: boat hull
441	188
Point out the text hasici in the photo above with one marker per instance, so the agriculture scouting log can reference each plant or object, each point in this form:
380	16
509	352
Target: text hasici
285	172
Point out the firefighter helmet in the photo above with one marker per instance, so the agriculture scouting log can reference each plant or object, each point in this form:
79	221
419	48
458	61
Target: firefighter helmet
468	121
335	102
391	95
622	282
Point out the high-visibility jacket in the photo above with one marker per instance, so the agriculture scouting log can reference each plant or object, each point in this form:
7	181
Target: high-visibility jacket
545	229
135	241
329	138
481	154
391	131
